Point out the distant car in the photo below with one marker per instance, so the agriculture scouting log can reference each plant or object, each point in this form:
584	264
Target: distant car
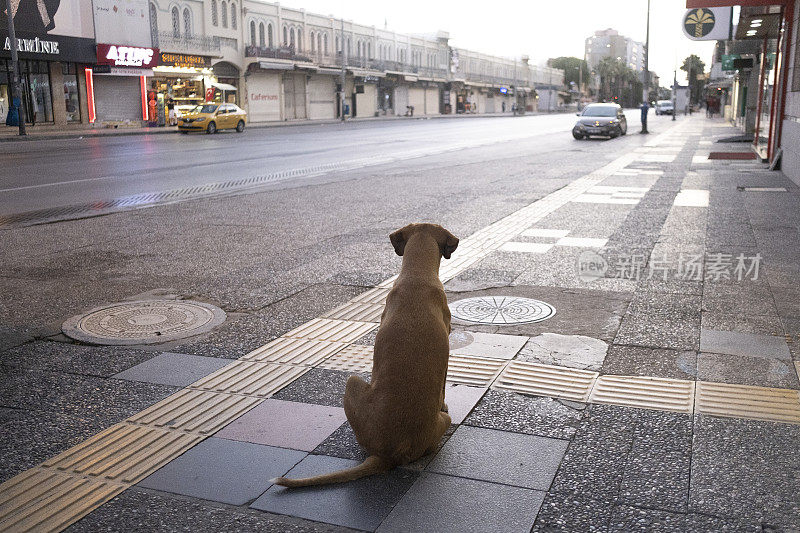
664	107
600	119
213	117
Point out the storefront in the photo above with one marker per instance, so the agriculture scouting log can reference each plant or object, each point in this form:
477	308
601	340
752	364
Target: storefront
264	90
179	80
53	61
120	83
226	86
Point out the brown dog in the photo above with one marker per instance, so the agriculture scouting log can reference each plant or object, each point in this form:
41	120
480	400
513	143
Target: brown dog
401	415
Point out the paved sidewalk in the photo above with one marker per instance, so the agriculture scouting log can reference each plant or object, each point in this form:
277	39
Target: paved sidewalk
662	395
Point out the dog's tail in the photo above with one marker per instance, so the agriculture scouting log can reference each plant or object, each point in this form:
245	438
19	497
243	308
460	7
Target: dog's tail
372	465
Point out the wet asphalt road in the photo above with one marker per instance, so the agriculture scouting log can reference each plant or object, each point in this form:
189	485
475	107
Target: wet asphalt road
55	173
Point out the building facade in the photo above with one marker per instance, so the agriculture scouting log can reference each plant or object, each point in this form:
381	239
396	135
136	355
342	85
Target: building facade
609	43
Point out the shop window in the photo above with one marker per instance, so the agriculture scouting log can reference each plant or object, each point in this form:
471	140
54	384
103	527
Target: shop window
252	33
214	20
71	100
154	24
270	40
36	87
261	34
224	6
233	15
176	23
187	22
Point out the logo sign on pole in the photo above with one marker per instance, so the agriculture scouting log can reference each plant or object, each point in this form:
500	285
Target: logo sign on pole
708	23
727	61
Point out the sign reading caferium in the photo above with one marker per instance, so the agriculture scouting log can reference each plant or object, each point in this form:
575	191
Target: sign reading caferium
708	23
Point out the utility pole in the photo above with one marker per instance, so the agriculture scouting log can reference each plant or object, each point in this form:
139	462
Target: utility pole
344	74
646	89
16	93
674	94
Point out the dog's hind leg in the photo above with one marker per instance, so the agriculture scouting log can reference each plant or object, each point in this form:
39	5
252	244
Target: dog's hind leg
356	406
442	423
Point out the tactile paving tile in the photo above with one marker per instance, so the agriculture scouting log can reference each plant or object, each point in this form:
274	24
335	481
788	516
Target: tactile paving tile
744	401
325	329
353	358
361	312
250	378
124	453
195	411
546	380
373	296
294	351
44	500
644	392
478	371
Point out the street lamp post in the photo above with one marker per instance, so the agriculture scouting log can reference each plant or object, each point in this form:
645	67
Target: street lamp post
646	89
16	93
344	75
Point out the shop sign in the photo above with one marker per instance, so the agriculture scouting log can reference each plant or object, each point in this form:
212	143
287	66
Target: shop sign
35	46
61	30
126	56
504	90
727	61
184	60
708	23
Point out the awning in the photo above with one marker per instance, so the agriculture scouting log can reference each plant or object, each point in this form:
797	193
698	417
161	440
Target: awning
306	66
270	65
330	71
410	78
367	73
223	86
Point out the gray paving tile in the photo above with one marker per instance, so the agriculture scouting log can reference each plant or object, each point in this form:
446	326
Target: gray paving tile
561	513
145	510
643	361
360	504
748	344
492	345
519	413
744	370
460	400
175	369
477	278
102	361
629	519
746	469
761	324
575	351
660	331
318	386
452	504
223	470
295	425
516	459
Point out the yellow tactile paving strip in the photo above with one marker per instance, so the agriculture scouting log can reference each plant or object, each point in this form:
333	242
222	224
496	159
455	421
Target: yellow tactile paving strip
644	392
353	358
48	499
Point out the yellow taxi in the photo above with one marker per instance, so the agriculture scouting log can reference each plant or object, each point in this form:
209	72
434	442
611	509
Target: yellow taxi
213	117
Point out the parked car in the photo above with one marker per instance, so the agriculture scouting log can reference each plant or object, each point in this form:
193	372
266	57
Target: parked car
664	107
213	117
600	119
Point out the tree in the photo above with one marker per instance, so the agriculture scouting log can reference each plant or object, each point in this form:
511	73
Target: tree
693	67
570	67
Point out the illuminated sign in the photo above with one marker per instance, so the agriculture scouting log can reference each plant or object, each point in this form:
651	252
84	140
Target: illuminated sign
126	56
504	90
184	60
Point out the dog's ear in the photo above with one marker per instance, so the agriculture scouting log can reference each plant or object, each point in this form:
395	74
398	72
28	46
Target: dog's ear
450	245
398	241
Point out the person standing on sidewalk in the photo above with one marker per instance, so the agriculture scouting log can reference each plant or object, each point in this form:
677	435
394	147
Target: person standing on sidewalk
645	108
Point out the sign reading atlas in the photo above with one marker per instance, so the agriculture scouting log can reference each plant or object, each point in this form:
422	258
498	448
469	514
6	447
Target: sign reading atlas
708	23
126	56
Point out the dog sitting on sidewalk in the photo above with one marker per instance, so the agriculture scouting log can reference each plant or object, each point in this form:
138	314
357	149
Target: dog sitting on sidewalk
401	415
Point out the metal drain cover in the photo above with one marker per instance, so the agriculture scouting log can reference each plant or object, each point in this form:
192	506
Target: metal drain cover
144	322
501	310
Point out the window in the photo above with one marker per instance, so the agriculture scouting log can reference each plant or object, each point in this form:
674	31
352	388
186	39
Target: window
291	37
176	22
224	14
233	15
313	44
71	100
319	43
285	36
369	50
269	36
187	22
338	47
325	43
252	33
214	12
154	24
299	40
261	42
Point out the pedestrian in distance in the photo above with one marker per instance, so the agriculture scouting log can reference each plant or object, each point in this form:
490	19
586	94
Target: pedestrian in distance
645	108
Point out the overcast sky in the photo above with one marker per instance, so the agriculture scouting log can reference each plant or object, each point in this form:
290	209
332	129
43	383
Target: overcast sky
533	27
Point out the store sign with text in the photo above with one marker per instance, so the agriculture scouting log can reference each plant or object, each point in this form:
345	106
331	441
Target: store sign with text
126	56
184	60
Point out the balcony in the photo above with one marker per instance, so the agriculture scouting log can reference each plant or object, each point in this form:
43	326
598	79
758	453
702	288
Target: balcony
283	52
195	45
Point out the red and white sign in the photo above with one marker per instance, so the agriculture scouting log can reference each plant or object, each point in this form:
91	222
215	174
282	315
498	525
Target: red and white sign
126	56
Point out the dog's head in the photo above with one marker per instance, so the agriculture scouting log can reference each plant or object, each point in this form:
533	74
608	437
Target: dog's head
447	241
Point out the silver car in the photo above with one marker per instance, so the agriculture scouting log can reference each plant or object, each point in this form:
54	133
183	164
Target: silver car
607	120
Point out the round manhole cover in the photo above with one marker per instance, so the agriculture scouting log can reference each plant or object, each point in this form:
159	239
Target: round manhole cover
145	322
500	310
